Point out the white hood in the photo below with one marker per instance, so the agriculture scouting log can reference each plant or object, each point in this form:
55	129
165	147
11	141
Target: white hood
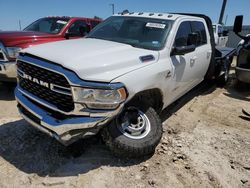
93	59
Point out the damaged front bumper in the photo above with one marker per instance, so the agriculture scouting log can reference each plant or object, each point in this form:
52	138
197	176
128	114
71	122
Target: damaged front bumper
67	129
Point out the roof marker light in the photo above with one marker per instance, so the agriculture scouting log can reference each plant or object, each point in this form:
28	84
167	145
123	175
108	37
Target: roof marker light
125	12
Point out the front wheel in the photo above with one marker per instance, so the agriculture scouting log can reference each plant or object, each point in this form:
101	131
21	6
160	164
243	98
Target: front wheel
134	133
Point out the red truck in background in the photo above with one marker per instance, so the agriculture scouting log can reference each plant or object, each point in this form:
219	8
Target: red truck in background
44	30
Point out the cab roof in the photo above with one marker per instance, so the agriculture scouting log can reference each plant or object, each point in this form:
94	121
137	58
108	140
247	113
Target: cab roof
71	17
167	16
150	15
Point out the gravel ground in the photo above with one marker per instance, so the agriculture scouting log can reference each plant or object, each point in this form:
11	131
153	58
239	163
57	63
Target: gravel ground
205	144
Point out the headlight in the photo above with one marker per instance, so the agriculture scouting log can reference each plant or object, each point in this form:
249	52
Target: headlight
98	98
13	52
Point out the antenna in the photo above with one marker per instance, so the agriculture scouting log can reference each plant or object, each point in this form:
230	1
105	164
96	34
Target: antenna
113	8
20	25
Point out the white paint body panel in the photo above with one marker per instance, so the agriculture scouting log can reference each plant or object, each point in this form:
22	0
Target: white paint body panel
99	60
92	59
220	41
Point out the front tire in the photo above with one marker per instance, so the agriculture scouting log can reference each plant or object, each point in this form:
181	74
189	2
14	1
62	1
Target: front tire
134	133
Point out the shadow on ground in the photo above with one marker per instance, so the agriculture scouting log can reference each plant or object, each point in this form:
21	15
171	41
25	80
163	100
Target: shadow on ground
7	91
34	152
238	90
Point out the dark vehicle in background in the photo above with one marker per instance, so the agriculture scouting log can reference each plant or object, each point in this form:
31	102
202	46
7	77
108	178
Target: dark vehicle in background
44	30
243	56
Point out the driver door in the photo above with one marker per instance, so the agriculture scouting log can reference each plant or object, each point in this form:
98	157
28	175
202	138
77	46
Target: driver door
184	67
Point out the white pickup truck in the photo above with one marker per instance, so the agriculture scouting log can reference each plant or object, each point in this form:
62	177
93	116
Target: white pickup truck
118	79
220	35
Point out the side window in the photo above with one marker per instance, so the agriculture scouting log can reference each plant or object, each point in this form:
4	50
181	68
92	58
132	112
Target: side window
220	30
79	28
181	38
199	28
94	23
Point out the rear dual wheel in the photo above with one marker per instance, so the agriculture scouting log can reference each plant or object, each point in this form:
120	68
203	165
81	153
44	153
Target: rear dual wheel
223	79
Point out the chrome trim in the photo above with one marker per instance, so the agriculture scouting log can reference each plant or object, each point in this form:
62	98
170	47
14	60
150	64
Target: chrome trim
39	127
79	109
60	127
48	85
54	86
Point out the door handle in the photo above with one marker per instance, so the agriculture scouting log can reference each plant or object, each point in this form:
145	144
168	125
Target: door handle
192	60
168	74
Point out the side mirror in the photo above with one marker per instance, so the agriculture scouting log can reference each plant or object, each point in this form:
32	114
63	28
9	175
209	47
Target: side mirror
69	35
238	24
183	50
83	30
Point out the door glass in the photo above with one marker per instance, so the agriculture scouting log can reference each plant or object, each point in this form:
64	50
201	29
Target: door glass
199	28
79	28
181	38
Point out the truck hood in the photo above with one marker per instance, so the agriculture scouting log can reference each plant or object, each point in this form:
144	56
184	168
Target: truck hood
16	38
94	59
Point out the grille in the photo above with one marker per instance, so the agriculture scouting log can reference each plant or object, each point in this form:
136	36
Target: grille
61	101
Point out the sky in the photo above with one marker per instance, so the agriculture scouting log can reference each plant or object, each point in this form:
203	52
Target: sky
27	11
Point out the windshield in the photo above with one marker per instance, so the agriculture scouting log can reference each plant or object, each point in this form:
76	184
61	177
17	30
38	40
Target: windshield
147	33
48	25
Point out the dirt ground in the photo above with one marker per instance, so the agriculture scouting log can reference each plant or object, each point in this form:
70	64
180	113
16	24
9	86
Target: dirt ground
205	144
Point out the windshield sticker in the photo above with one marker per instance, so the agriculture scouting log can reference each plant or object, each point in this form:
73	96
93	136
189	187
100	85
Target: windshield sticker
156	25
61	22
155	42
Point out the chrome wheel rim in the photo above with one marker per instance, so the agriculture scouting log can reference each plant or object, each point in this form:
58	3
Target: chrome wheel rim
138	129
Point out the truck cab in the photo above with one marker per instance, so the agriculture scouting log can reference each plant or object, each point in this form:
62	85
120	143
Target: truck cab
44	30
220	35
118	79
